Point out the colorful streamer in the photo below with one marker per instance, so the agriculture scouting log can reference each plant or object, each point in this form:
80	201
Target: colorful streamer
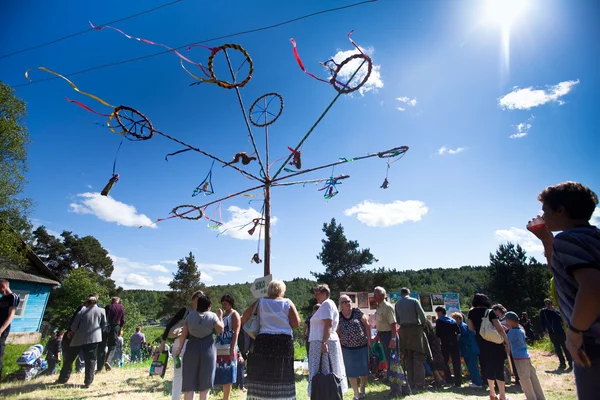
72	85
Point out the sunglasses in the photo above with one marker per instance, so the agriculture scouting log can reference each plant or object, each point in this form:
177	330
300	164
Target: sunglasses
345	302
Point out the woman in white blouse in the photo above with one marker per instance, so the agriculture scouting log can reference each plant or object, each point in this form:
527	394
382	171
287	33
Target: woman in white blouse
271	372
325	348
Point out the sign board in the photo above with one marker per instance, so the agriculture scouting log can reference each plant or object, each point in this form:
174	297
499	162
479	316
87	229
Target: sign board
259	286
429	301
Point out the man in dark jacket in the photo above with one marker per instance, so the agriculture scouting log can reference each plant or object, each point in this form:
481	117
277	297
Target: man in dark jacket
448	333
552	322
115	320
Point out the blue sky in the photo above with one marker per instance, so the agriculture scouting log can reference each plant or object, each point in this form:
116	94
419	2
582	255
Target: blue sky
492	115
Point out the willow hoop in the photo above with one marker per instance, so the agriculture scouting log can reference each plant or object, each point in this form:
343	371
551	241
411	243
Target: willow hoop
396	151
267	122
192	209
145	126
225	84
349	89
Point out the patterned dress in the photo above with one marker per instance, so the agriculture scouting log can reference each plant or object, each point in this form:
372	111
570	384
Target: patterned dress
226	366
318	361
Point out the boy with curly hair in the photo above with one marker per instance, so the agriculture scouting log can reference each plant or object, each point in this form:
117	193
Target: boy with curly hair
574	259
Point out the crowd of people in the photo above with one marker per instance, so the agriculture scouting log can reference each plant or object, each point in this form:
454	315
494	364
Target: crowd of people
211	348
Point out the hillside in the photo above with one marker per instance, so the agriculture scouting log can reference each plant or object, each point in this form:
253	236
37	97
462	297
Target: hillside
466	281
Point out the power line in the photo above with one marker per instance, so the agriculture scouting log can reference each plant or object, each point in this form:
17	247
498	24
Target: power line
202	41
86	31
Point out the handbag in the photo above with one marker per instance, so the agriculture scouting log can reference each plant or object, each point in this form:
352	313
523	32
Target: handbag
326	387
252	326
177	329
159	364
488	330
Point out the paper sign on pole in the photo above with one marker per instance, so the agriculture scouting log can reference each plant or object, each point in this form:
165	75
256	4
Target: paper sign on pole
259	286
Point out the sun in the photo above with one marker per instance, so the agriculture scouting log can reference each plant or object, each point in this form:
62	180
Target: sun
503	12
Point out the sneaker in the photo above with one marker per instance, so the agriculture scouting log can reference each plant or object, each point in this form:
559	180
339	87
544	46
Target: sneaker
474	386
362	395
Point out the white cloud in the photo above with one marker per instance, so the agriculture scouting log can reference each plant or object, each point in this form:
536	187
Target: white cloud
89	186
158	268
136	280
596	217
218	268
170	262
163	280
444	150
373	83
521	236
522	130
240	217
108	209
407	101
384	215
518	135
527	98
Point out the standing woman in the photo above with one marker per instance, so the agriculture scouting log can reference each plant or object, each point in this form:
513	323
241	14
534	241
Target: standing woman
271	372
227	349
174	327
324	340
200	359
356	342
492	355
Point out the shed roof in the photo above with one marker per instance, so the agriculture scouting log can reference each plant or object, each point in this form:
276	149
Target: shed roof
33	271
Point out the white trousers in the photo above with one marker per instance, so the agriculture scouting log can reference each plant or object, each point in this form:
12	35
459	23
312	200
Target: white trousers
177	372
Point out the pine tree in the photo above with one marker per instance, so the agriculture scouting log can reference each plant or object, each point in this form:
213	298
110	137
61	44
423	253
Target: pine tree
343	260
517	283
185	282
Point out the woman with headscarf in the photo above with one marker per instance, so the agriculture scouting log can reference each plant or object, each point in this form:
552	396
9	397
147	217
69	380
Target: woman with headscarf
271	372
325	350
199	361
355	339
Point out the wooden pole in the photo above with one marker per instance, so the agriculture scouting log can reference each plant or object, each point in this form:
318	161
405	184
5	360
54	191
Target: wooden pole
267	256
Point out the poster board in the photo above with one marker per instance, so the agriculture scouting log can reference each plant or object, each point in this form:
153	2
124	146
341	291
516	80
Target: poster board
365	301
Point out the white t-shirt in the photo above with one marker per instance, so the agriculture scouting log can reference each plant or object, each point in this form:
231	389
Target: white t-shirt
328	310
273	315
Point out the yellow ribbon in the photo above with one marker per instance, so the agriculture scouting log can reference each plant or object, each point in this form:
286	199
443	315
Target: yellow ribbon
70	83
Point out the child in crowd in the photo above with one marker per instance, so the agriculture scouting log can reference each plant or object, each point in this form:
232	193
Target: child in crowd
53	351
518	347
468	350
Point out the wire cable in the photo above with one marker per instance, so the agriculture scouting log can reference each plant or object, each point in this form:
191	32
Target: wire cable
203	41
86	31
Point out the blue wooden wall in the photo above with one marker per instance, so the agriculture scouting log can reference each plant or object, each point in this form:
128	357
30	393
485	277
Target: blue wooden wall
31	319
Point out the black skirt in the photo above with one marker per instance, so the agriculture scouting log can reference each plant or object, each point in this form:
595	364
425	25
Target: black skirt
271	368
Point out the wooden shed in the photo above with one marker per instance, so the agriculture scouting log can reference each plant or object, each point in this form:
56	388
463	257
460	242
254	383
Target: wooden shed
33	283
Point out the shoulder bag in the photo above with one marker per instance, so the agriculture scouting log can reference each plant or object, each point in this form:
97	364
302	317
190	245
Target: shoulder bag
252	326
177	329
488	330
326	386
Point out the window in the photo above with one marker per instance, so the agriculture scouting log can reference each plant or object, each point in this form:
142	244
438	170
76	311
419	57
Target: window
23	297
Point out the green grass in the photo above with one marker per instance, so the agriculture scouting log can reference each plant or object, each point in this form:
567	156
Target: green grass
152	333
11	353
299	352
543	345
133	383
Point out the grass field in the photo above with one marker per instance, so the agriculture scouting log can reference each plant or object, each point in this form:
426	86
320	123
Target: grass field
133	382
